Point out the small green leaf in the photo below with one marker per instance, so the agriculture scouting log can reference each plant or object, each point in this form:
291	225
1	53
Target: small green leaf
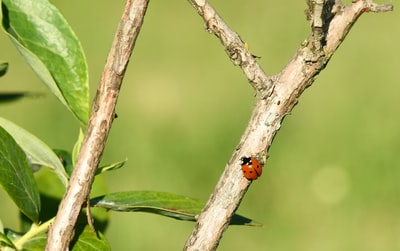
17	178
87	240
37	151
50	47
241	220
110	167
4	239
12	235
166	204
3	69
66	160
77	146
13	96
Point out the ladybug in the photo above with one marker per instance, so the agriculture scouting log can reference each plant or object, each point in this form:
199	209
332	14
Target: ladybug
251	168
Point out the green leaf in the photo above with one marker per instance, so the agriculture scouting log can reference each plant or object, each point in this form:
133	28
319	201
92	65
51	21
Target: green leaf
3	69
77	146
17	178
66	160
12	235
241	220
110	167
166	204
37	151
50	47
13	96
4	239
87	240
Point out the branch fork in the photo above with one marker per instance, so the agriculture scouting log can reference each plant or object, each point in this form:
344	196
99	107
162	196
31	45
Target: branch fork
277	95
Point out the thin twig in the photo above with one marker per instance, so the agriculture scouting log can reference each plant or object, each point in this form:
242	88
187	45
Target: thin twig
234	46
330	22
60	233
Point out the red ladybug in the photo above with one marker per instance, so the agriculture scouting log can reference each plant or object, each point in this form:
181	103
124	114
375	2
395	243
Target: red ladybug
251	168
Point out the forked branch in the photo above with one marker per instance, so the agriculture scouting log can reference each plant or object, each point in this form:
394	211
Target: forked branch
277	95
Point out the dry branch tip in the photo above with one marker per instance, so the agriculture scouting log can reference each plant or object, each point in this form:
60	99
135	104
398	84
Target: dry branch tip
373	7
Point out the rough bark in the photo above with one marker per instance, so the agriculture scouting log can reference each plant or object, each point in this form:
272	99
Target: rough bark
61	231
276	96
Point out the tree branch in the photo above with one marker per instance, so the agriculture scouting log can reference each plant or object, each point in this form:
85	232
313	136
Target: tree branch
60	233
234	46
277	95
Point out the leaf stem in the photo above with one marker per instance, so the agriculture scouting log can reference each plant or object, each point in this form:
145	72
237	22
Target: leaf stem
35	229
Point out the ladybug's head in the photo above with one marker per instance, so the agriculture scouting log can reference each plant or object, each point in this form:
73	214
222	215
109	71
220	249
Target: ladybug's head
246	160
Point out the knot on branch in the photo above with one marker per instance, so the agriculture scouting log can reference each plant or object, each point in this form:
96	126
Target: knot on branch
236	54
234	46
212	26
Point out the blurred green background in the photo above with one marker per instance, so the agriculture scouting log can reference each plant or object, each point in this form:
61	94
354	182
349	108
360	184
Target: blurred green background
332	179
